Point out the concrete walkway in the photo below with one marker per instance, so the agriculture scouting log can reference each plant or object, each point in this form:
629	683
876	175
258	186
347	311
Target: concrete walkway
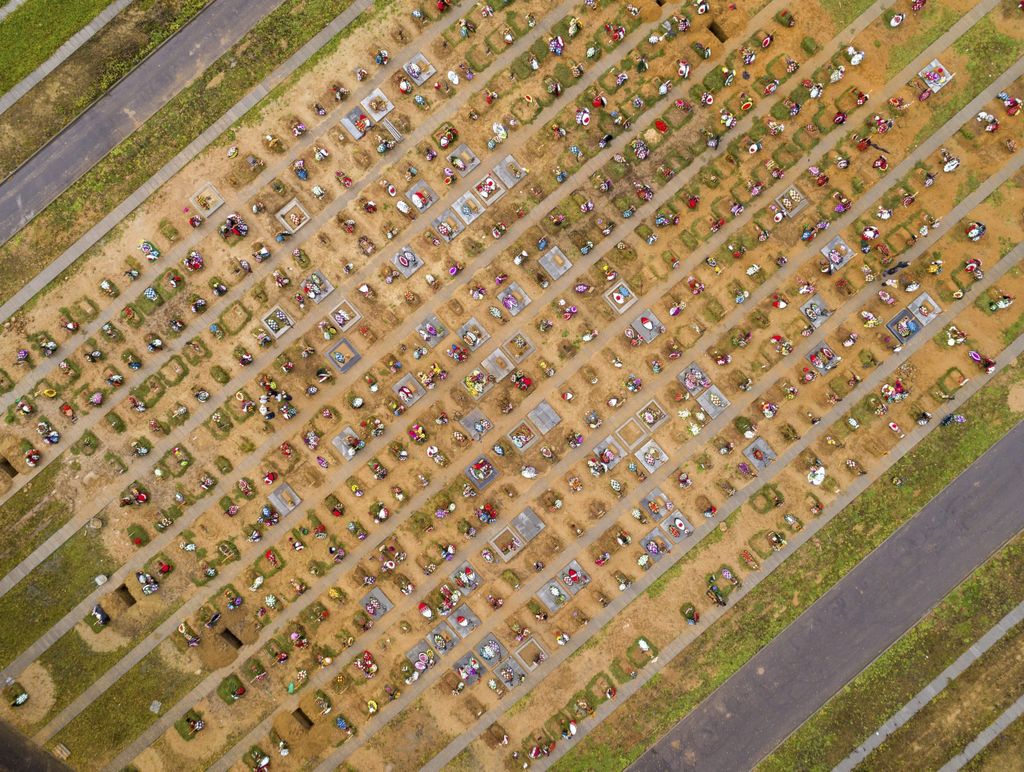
987	735
928	693
72	44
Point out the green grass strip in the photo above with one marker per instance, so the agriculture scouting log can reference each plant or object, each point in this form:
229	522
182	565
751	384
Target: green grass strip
30	35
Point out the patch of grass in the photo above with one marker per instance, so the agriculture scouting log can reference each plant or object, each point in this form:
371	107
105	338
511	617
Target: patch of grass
30	35
34	512
803	578
74	666
843	12
121	713
50	591
227	688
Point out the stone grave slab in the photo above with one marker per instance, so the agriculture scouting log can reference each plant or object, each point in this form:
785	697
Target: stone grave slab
343	355
448	225
377	105
904	325
408	389
677	528
656	536
406	261
376	594
207	199
441	639
553	595
567	574
651	456
463	621
531	654
544	417
510	673
465	578
491	652
620	297
489	189
467	207
277	321
508	543
510	172
431	330
422	656
713	401
284	499
498	365
477	383
292	216
555	263
657	504
760	453
356	122
838	253
463	160
815	311
476	424
317	287
632	433
514	298
419	69
473	334
935	76
345	316
924	308
791	201
694	379
481	472
518	347
652	415
528	523
340	443
421	196
647	326
469	668
522	436
611	449
824	357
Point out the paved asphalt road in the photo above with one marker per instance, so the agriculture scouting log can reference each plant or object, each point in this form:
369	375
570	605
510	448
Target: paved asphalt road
124	108
18	753
885	595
